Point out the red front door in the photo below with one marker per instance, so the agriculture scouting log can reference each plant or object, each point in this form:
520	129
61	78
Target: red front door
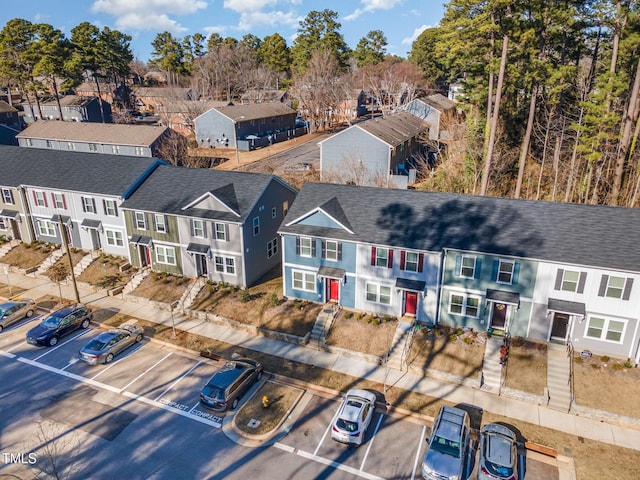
333	290
411	303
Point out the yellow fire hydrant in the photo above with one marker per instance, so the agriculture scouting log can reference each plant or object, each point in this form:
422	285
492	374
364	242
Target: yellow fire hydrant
265	401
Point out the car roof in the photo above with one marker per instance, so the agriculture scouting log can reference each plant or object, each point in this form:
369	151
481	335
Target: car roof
108	335
7	304
64	311
227	375
451	423
498	449
351	408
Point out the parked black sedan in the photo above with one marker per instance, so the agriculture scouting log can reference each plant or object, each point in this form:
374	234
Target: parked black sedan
58	324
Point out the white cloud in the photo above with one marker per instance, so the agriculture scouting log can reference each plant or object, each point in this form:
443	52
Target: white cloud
415	35
251	20
248	5
372	6
148	14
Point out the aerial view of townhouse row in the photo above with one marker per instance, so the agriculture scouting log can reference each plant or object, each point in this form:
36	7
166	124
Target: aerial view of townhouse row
244	258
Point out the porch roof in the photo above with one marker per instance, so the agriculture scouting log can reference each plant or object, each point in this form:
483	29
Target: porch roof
11	214
565	306
141	240
411	285
65	219
501	296
91	224
198	248
330	272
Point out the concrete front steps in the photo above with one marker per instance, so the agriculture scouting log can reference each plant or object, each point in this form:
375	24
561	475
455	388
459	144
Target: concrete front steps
83	264
136	280
49	261
322	324
401	344
491	366
559	377
191	293
4	249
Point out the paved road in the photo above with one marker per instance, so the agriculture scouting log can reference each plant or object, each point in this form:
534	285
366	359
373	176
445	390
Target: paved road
139	417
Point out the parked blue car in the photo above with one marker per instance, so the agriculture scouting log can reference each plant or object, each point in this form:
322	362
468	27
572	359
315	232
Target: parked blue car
58	324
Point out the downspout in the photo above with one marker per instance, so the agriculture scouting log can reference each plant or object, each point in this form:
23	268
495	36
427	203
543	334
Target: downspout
440	283
284	280
27	214
244	260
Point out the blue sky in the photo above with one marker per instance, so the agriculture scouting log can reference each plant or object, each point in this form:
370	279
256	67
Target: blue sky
400	20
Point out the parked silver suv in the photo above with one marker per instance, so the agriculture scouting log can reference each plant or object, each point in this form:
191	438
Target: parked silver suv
446	455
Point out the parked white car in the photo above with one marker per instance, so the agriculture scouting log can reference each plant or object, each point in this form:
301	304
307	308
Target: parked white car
354	417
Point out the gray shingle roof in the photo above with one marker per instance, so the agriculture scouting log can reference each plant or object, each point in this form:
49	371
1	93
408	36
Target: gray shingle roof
73	171
69	101
107	133
394	129
6	108
593	235
169	189
255	111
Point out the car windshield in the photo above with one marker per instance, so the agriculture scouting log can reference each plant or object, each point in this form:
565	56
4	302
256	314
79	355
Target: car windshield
346	425
2	312
51	321
95	345
448	447
213	392
499	470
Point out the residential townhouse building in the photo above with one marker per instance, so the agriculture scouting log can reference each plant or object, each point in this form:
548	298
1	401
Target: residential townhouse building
74	190
75	108
541	270
208	223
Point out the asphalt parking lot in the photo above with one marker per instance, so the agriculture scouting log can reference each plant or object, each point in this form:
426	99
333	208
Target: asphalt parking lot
153	375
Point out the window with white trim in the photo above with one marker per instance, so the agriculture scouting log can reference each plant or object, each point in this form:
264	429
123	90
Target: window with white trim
468	267
570	281
115	149
197	228
304	281
88	205
71	146
225	264
378	294
46	228
331	250
140	151
272	247
256	226
140	220
462	304
58	201
274	212
114	238
165	255
49	144
3	224
305	247
615	287
93	147
28	142
411	261
160	223
110	208
221	231
382	257
607	329
505	271
39	198
7	196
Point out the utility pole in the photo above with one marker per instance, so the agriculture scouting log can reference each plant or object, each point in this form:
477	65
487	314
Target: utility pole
63	234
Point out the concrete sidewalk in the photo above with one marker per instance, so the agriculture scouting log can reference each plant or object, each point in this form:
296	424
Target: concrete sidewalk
573	424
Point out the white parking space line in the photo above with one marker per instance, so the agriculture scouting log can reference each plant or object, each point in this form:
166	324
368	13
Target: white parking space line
73	361
16	346
113	364
7	354
60	345
326	461
333	420
415	463
171	409
366	454
147	371
176	382
193	408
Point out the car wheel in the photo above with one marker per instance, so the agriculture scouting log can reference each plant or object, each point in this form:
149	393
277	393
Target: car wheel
234	404
139	338
85	323
259	376
1	328
53	341
109	358
29	313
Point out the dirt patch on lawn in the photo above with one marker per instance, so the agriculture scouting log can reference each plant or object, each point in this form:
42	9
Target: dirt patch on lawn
61	265
106	272
281	399
28	255
261	306
607	384
162	287
363	333
527	366
448	350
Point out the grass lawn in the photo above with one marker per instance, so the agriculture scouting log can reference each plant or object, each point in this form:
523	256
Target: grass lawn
362	333
527	366
281	397
27	255
104	272
161	287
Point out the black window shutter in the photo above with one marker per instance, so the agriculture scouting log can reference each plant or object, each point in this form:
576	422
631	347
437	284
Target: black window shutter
297	245
603	285
324	249
313	247
581	282
339	251
93	202
390	259
84	207
104	206
420	262
627	289
373	256
559	276
166	224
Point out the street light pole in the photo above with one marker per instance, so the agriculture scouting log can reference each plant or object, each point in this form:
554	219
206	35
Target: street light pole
63	234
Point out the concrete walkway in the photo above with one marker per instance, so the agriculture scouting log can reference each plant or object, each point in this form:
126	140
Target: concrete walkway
603	430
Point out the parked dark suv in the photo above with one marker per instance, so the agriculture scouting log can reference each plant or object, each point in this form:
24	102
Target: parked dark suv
58	324
227	386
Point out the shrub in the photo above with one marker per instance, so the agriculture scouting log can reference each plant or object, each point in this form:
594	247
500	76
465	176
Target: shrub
459	331
213	289
359	315
28	245
604	358
468	340
453	336
617	366
348	315
375	321
368	319
578	360
628	364
275	301
386	318
244	296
